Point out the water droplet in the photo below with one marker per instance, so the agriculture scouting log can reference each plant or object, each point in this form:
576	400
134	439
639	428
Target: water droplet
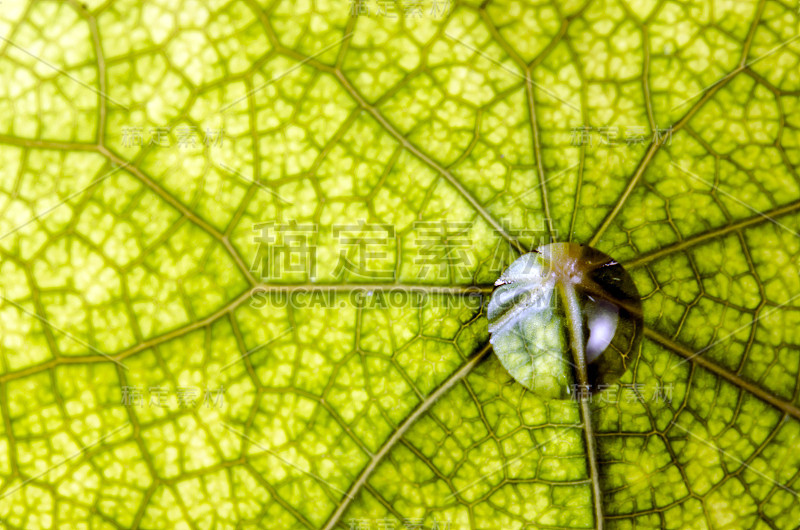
532	326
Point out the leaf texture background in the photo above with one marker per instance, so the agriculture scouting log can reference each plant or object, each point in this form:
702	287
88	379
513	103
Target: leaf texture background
130	265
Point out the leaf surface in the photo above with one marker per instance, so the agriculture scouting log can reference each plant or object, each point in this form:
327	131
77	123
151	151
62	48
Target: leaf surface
130	266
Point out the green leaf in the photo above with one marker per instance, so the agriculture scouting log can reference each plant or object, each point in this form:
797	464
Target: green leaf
128	266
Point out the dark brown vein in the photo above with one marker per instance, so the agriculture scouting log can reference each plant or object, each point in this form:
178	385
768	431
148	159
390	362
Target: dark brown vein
724	373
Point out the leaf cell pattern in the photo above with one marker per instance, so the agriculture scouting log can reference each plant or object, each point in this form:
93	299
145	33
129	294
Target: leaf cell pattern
129	264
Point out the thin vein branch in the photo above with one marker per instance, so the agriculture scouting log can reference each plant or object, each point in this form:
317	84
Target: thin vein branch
398	434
